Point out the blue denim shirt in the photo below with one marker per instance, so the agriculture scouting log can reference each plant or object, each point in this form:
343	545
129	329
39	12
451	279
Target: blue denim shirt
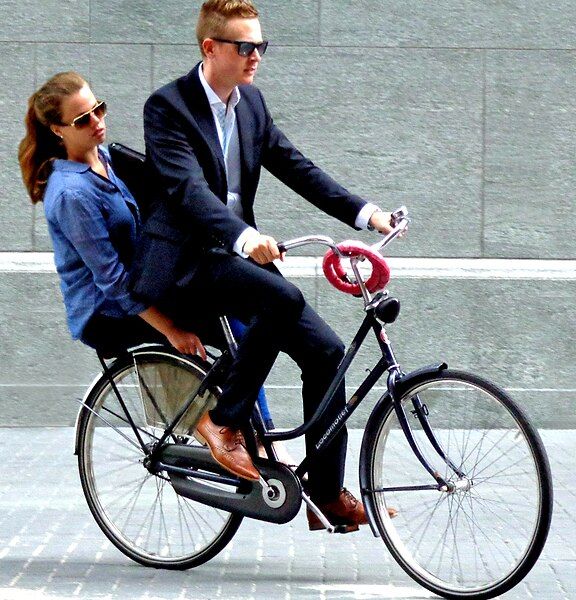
94	225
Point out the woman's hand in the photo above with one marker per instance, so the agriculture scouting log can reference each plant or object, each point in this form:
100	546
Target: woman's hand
185	341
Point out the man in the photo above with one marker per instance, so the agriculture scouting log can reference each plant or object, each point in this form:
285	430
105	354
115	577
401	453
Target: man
208	134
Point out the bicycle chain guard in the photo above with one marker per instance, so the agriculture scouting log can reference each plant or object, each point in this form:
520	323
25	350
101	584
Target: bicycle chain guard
279	503
337	276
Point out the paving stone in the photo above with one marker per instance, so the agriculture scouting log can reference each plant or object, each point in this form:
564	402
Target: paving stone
51	548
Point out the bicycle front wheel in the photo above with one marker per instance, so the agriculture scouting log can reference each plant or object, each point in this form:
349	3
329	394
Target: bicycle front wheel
138	510
482	535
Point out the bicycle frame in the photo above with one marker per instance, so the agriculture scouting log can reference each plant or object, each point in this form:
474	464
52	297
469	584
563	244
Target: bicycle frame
386	363
469	457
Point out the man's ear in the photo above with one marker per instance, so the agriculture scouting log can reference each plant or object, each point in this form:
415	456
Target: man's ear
208	46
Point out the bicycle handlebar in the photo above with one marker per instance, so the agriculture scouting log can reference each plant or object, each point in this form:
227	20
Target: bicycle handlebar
399	220
355	252
306	240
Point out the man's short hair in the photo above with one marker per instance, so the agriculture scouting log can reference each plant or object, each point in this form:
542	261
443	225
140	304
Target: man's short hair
215	14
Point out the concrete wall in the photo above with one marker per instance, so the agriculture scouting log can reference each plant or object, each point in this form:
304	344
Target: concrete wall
463	110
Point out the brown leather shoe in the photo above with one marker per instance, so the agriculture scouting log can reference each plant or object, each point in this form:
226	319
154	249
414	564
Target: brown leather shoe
346	511
227	447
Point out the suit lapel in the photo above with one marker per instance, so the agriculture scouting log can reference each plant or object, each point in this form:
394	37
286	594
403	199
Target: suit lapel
198	105
245	124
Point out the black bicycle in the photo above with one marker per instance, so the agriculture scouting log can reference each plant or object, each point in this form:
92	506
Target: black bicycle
450	450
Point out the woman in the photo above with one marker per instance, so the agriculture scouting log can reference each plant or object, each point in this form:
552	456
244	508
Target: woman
92	218
93	222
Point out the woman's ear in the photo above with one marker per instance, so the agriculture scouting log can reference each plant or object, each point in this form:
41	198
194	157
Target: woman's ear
56	130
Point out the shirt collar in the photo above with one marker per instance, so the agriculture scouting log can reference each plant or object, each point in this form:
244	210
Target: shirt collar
211	94
63	164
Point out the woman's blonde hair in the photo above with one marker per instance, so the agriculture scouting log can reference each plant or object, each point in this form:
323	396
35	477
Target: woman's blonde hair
215	14
40	146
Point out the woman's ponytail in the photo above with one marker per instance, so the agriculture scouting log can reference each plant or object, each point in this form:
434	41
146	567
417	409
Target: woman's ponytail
36	151
41	146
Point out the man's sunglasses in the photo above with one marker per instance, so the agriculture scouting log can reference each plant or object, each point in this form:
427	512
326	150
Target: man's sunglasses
246	48
99	110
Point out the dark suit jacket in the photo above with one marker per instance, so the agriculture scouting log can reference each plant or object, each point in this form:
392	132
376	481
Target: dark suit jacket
188	181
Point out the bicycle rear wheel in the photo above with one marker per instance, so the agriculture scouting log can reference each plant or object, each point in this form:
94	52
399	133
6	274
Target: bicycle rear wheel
138	510
481	537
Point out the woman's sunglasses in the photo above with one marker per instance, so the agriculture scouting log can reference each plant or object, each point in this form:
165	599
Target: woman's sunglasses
99	110
246	48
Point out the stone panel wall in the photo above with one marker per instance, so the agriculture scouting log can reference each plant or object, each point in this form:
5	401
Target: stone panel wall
464	111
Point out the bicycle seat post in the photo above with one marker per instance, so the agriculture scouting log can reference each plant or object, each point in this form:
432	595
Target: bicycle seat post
230	339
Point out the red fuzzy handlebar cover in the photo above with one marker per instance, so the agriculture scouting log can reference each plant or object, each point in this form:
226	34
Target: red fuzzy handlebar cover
336	274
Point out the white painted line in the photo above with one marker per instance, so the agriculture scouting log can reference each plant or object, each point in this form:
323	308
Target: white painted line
27	262
449	268
24	594
351	387
402	268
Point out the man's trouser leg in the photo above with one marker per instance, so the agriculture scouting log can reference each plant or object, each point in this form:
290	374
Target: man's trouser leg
277	319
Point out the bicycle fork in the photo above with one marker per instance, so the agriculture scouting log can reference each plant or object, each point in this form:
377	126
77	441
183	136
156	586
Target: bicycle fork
421	413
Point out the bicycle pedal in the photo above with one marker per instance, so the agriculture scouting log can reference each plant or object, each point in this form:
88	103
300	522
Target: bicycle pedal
345	528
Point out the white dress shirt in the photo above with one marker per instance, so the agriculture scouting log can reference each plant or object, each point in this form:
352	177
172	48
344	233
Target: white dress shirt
231	151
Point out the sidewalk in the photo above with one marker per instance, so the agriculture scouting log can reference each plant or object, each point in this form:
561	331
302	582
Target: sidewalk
50	547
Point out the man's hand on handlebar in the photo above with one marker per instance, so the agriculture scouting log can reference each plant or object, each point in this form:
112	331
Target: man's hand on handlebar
381	221
385	222
263	249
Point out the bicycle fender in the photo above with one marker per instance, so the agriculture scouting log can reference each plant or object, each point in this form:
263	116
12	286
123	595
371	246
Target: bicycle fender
404	383
409	380
101	379
95	382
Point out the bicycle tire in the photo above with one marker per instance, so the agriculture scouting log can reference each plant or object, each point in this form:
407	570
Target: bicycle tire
481	539
138	511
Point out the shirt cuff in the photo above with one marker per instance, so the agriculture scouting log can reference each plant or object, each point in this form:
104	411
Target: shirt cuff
242	240
133	308
364	215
